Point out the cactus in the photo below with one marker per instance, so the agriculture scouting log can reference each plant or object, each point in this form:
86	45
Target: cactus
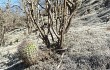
30	53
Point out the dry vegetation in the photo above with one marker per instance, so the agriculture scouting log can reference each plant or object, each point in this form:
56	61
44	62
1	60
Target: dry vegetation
59	15
64	35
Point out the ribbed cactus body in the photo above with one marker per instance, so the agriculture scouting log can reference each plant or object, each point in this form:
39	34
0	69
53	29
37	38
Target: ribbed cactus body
28	52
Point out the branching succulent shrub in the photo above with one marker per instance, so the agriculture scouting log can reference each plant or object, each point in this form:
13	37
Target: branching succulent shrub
2	29
59	15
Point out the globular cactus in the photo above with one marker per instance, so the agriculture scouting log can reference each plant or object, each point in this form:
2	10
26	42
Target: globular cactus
30	53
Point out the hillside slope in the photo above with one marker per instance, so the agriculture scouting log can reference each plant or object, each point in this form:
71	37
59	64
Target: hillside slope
88	42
